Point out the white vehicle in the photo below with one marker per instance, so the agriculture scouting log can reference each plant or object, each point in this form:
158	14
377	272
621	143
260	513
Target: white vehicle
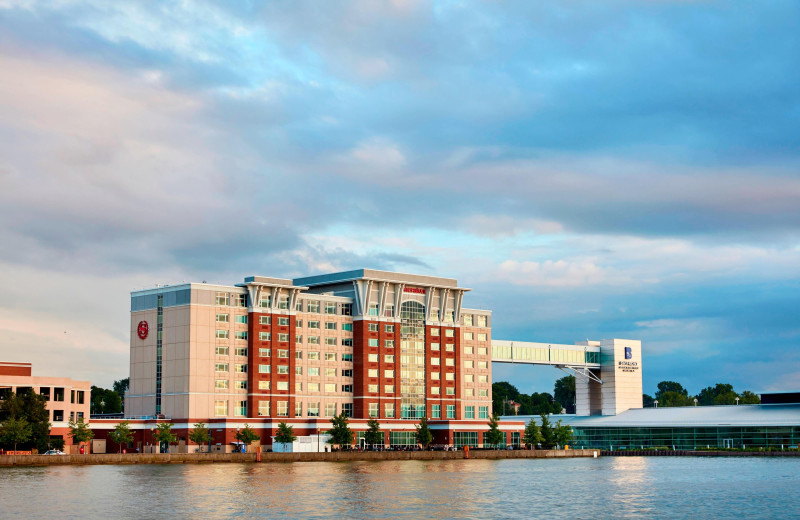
54	452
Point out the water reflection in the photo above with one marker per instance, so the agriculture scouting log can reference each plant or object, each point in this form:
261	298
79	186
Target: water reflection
608	487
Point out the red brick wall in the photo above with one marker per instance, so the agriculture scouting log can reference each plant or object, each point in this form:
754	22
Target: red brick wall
15	369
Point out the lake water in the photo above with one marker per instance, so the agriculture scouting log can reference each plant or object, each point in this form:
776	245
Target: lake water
622	487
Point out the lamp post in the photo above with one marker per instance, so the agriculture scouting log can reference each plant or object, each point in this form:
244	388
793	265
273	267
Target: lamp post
695	401
655	403
737	401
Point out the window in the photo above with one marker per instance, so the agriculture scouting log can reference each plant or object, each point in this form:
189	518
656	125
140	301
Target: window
483	365
242	369
241	334
469	336
313	356
298	354
389	343
264	320
313	307
435	376
435	390
330	325
372	358
388	328
481	336
265	302
372	372
469	412
481	321
483	392
298	387
482	351
283	353
222	299
434	331
389	358
283	337
483	379
451	411
330	356
347	342
283	408
347	310
330	308
389	410
388	373
263	408
483	412
264	369
298	409
283	302
450	347
388	389
435	361
221	384
222	334
298	339
58	415
347	326
283	369
373	409
330	372
313	324
221	367
221	350
469	392
436	411
450	362
298	323
264	352
240	300
435	346
313	409
347	409
313	340
283	385
468	320
450	376
434	316
372	342
449	390
298	371
347	357
263	385
330	409
469	378
449	333
241	319
241	409
283	321
348	372
313	387
264	336
222	318
313	371
469	364
372	388
372	327
330	387
240	351
469	351
330	342
373	309
220	408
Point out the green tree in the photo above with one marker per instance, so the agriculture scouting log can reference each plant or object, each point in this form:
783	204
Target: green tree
494	436
105	401
121	434
424	433
163	435
544	403
340	433
247	436
285	433
564	393
32	407
121	388
374	436
562	434
669	386
546	430
647	400
15	431
748	397
200	434
531	436
80	431
672	399
502	392
709	396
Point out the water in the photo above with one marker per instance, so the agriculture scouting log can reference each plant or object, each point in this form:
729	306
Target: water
622	487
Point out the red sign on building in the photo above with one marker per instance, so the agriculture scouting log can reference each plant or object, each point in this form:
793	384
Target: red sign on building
142	329
415	290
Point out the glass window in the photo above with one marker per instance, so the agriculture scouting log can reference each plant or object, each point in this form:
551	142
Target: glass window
389	410
221	367
283	337
372	342
221	384
330	409
372	358
221	408
264	336
451	411
263	408
222	318
283	408
450	347
283	353
347	372
483	379
373	309
435	390
468	320
330	372
313	387
330	325
434	331
347	342
389	343
283	302
372	388
469	351
330	356
298	339
240	351
435	361
483	392
298	409
450	376
347	310
435	346
330	342
241	334
330	387
388	389
436	411
483	365
469	336
372	372
313	340
283	369
388	373
389	358
469	392
482	351
483	412
241	319
435	376
222	334
298	354
264	320
264	352
481	336
373	409
449	333
283	385
313	371
298	386
241	409
298	371
330	308
450	362
372	327
241	300
469	378
298	323
264	369
313	324
481	321
347	326
313	356
388	328
263	385
242	369
347	357
265	302
449	391
313	307
469	412
222	299
283	321
221	350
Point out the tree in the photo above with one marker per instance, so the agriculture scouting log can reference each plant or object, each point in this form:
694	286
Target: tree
340	432
709	396
32	407
374	436
121	388
531	436
670	386
502	392
15	431
544	403
285	433
80	431
105	401
748	397
162	434
200	434
564	393
246	436
647	400
671	399
494	436
424	433
562	434
546	430
121	434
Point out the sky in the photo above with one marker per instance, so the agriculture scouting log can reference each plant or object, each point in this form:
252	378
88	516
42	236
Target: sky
589	169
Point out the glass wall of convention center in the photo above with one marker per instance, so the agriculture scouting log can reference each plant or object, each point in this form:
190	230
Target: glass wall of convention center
777	437
403	438
412	360
461	439
542	353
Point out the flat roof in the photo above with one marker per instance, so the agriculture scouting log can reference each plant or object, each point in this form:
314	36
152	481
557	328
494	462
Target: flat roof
685	416
382	276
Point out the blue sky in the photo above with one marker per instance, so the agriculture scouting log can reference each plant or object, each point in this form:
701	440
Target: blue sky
591	170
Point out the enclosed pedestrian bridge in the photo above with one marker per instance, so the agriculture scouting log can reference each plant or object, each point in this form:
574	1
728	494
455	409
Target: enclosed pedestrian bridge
608	372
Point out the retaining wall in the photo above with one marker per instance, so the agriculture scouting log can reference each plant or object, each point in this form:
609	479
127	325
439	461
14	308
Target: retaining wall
692	453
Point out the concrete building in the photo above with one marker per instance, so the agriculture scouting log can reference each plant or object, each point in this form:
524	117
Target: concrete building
66	398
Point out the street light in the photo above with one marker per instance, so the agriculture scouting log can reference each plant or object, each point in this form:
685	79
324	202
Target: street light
655	403
737	401
695	401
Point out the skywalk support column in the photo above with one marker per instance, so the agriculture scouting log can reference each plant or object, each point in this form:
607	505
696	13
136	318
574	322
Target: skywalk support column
621	372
